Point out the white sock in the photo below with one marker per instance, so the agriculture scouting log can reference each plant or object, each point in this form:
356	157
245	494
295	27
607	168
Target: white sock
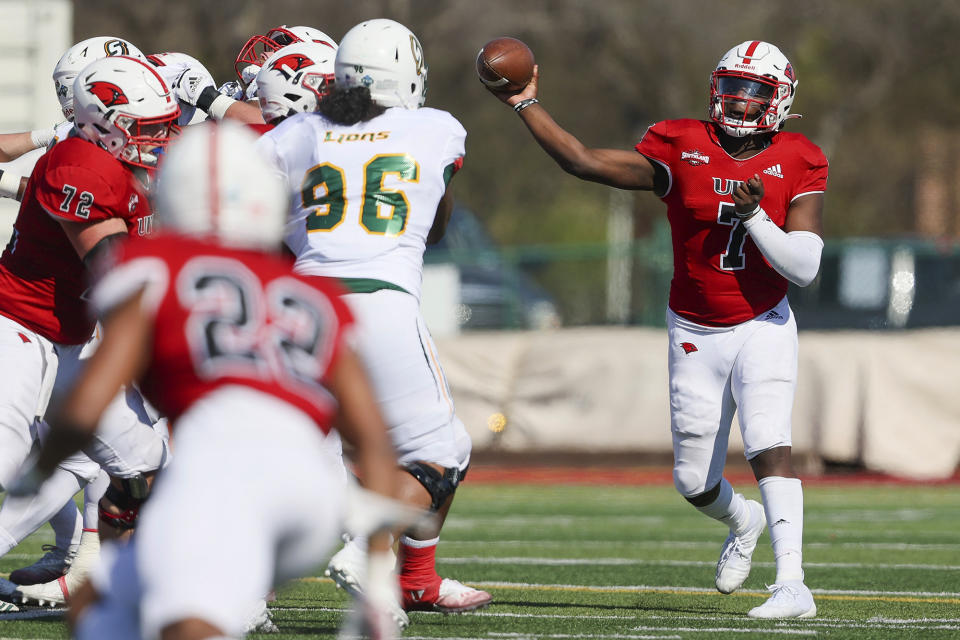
783	501
67	525
419	544
19	517
729	508
91	501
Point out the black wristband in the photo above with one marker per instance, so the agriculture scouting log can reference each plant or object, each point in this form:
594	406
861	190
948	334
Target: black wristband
523	104
207	96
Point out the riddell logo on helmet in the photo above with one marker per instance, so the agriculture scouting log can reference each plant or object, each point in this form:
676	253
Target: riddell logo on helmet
108	93
740	65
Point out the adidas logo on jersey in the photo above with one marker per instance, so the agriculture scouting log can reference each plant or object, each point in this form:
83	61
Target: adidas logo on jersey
773	315
774	171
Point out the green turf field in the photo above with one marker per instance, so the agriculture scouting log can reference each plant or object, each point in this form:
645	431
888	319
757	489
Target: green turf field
636	563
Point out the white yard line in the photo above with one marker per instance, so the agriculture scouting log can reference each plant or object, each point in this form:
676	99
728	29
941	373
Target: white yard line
614	562
692	544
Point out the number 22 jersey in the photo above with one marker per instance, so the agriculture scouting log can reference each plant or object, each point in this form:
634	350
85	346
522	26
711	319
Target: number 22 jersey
228	317
720	278
364	197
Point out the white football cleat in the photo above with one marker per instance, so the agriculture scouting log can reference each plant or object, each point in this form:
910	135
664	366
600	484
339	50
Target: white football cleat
348	567
8	607
451	596
53	564
733	567
456	597
348	570
57	592
51	594
260	620
790	599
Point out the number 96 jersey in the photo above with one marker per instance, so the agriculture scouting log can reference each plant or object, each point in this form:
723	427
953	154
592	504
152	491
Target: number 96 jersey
720	278
363	197
229	317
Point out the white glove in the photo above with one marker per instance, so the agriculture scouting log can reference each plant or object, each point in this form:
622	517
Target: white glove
231	90
368	512
372	613
249	75
41	138
190	83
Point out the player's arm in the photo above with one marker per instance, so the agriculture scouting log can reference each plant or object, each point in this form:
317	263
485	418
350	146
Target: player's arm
14	145
12	185
613	167
91	239
794	251
442	219
360	424
121	357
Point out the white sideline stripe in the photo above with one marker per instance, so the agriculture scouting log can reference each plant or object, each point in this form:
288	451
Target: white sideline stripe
614	562
470	523
839	623
694	544
788	632
644	587
918	624
531	636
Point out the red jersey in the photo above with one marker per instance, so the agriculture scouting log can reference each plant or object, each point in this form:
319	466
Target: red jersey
229	317
720	278
260	129
41	276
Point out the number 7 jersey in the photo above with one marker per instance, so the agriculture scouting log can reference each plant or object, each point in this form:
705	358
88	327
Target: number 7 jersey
720	278
363	197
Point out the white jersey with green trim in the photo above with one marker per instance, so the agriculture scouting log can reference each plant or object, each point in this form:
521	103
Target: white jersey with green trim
363	197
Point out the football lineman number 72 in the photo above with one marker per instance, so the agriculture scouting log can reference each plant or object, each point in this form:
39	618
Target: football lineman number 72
384	210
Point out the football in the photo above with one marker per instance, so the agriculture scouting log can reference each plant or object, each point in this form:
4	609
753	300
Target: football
505	64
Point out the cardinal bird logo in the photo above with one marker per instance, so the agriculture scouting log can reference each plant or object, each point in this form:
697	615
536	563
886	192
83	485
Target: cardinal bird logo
108	93
688	347
790	73
294	62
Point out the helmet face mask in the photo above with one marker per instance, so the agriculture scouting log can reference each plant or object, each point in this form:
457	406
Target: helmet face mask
260	47
388	59
752	89
124	107
79	56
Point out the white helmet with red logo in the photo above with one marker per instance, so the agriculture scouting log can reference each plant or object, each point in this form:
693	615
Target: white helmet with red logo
751	89
294	80
123	106
80	55
213	182
260	47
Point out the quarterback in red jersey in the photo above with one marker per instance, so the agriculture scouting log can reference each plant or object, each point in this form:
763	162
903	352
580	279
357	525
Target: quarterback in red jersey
251	364
744	200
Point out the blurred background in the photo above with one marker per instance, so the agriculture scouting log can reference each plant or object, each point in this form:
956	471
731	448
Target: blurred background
544	281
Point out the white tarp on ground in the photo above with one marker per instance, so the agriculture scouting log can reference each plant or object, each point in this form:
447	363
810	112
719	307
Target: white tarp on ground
890	401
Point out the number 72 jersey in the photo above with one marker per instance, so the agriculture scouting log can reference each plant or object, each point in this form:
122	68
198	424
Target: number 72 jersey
720	278
363	197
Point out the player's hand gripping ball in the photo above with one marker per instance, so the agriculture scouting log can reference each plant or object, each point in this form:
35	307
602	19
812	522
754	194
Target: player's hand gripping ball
505	64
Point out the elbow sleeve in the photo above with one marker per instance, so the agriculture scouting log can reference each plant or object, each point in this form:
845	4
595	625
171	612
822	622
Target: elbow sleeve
794	255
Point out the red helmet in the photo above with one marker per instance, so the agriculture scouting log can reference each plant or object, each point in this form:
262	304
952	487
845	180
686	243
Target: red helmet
260	47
